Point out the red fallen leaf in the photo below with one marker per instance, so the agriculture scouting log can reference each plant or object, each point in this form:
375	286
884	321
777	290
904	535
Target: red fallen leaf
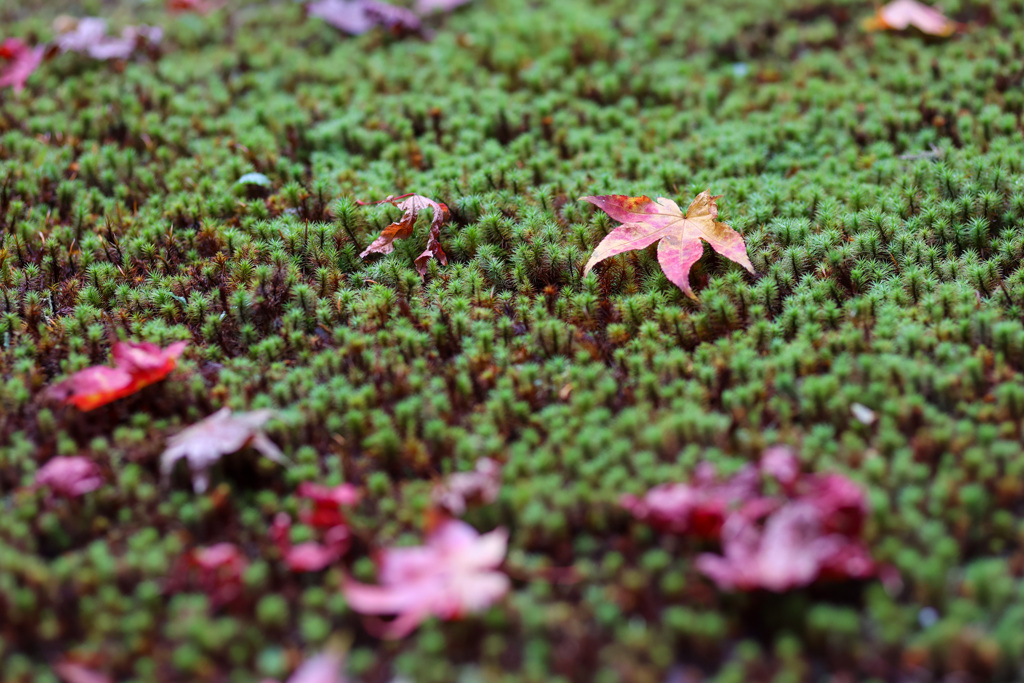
70	476
402	228
200	6
327	502
70	672
702	507
136	365
309	556
679	235
900	15
841	504
204	443
481	485
89	36
359	16
22	61
793	549
455	573
220	568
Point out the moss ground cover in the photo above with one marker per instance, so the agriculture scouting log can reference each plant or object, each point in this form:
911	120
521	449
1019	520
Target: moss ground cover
878	179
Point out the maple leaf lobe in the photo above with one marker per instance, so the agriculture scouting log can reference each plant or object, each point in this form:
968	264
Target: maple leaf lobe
679	235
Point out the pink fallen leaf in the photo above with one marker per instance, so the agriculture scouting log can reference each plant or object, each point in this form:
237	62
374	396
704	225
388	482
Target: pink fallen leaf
412	205
69	477
70	672
204	443
322	668
680	236
453	574
359	16
20	62
900	15
136	365
793	549
701	507
428	6
88	36
482	485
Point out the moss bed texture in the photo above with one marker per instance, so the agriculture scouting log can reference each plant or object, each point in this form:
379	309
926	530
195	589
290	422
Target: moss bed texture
877	179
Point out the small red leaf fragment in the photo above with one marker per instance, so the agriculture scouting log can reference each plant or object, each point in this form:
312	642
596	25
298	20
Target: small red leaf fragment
679	235
402	228
137	365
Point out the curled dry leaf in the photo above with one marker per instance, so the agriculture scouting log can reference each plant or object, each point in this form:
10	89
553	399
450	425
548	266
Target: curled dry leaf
69	477
402	228
20	62
455	573
359	16
205	442
680	236
136	365
900	15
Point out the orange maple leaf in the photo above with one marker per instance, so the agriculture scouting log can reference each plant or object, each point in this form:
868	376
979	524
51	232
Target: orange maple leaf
136	365
900	15
679	235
